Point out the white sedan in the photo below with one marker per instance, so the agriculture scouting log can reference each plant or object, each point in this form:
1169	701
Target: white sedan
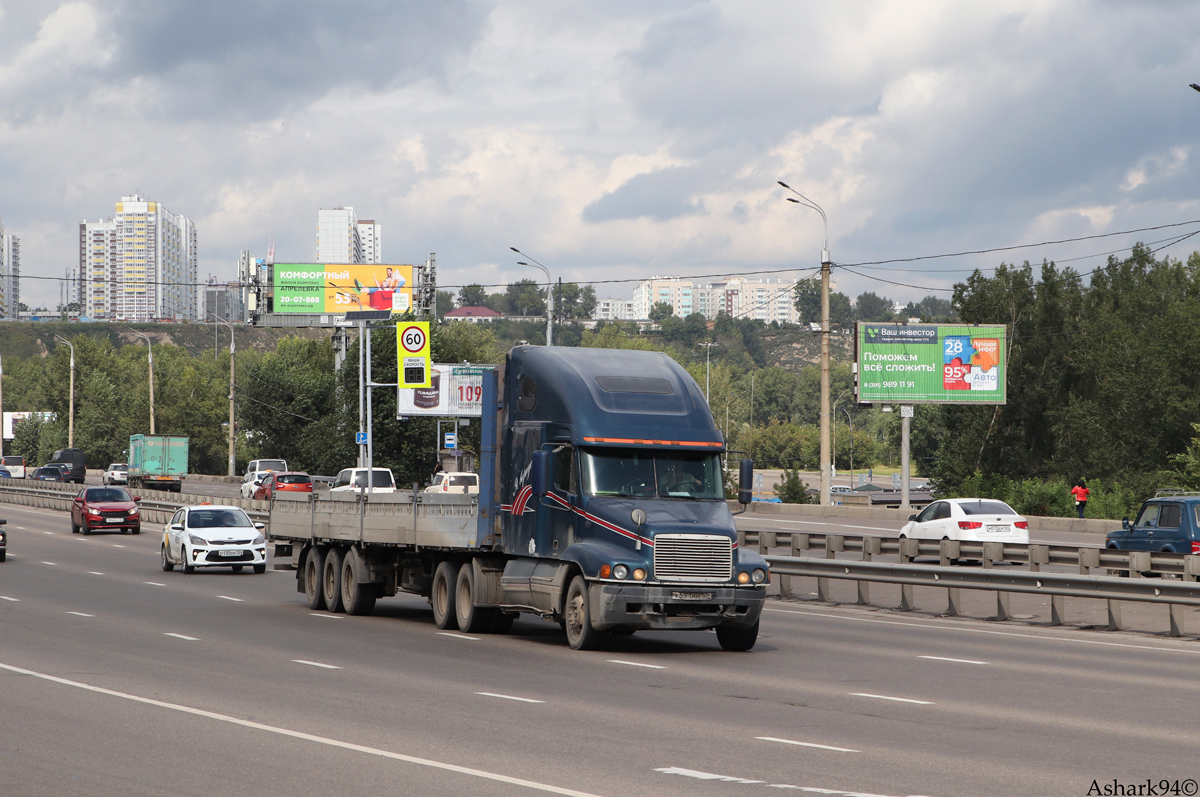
213	536
976	519
252	482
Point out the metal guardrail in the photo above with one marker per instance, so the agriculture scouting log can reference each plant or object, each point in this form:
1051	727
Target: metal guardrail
52	495
1033	555
1058	586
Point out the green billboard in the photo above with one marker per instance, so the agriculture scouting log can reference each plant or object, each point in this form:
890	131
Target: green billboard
931	363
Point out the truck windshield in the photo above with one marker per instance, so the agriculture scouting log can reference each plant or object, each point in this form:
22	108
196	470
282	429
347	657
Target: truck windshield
646	474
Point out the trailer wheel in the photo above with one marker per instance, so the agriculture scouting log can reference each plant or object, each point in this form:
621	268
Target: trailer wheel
472	619
331	581
441	596
313	561
577	615
359	599
737	638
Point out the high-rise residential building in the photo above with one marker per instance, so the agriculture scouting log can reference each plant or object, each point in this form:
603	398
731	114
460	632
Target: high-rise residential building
614	310
139	265
738	297
10	275
370	239
343	238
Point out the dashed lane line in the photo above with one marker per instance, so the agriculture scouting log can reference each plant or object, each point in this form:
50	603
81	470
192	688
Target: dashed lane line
6	598
510	697
638	664
806	744
227	598
154	583
94	573
81	614
956	661
452	635
327	616
258	726
317	664
181	636
896	699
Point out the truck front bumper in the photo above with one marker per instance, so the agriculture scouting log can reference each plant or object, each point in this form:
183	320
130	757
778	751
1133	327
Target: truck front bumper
683	607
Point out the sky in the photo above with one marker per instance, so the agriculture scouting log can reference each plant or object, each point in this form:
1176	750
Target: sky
611	141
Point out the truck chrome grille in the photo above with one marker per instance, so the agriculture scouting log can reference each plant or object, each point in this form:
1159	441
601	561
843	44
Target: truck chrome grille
693	557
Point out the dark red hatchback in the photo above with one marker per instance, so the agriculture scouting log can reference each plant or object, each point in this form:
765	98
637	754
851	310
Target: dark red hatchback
108	508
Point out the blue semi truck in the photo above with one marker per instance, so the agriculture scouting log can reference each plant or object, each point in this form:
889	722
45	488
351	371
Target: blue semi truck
601	507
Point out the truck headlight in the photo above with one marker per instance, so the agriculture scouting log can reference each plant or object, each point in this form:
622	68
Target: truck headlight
758	576
620	571
639	574
743	577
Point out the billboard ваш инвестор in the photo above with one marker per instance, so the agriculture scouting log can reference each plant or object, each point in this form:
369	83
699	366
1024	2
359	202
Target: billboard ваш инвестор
931	363
334	288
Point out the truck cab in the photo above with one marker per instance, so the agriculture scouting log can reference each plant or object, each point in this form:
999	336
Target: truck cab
611	498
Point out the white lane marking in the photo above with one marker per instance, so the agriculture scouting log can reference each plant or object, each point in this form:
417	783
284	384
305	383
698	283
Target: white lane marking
81	614
458	636
956	661
510	697
258	726
1033	636
638	664
316	664
181	636
22	528
94	573
807	744
154	583
328	616
691	773
897	699
51	533
227	598
6	598
51	563
118	546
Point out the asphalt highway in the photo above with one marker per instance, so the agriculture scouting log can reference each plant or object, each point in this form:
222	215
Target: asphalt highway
119	678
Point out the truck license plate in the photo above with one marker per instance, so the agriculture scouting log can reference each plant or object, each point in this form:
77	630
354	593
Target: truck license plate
229	553
691	596
997	529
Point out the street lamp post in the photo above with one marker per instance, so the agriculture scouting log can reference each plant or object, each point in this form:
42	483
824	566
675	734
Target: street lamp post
549	294
232	393
150	360
707	372
71	411
826	415
850	421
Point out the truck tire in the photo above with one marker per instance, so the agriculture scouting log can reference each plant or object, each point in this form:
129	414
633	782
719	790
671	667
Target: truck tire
313	562
737	638
331	579
577	616
502	622
472	619
441	595
358	599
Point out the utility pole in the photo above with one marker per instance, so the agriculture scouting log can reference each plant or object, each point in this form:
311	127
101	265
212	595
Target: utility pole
71	411
707	372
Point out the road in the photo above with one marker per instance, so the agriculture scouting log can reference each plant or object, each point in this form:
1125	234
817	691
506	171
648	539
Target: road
116	677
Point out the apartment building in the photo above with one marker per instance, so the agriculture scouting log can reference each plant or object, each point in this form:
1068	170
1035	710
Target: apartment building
138	265
10	274
740	297
344	238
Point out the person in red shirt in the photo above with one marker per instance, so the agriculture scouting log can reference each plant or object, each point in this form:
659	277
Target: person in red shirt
1080	492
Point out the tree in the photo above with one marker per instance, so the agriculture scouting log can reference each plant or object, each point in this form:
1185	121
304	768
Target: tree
869	307
445	303
524	298
472	296
661	310
808	304
571	301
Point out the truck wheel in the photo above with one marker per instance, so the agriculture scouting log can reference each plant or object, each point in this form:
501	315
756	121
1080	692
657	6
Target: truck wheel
578	616
312	577
737	638
502	622
441	596
167	564
359	599
331	581
472	619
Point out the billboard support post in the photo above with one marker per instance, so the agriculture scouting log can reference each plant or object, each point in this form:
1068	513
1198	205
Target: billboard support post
826	442
906	415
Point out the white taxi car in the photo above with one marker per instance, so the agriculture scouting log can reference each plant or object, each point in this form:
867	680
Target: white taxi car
977	519
213	536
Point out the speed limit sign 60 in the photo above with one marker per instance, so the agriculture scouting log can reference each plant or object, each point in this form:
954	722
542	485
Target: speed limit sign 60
412	354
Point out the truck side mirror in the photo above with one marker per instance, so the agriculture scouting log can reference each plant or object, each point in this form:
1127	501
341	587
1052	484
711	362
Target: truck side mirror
746	481
540	473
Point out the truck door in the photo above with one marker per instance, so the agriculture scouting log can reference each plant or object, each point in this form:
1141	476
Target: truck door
564	494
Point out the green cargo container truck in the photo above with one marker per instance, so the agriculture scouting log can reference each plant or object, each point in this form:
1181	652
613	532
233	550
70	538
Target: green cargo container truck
158	461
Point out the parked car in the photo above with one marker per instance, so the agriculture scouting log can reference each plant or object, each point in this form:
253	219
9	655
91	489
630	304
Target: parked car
15	465
50	473
288	481
116	473
76	462
252	482
3	542
213	536
1168	522
454	482
109	508
354	479
976	519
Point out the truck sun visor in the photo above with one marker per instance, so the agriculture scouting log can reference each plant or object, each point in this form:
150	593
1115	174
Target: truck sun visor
634	384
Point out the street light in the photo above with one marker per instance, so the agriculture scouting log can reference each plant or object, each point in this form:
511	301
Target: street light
707	350
1196	86
232	356
826	444
71	413
150	359
549	294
